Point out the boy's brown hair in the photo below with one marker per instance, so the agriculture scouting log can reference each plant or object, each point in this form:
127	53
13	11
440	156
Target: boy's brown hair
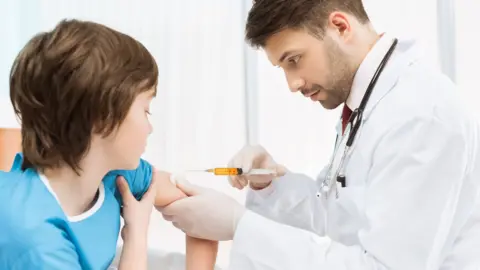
267	17
79	79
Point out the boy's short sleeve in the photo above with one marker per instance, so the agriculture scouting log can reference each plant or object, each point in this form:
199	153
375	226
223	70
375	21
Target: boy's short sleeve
44	247
43	258
139	179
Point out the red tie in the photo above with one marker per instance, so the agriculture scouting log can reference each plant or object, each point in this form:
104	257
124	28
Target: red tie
345	117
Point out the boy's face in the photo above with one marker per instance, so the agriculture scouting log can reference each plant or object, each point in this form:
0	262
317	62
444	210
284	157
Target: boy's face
128	143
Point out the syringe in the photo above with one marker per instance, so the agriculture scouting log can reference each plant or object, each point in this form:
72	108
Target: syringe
238	171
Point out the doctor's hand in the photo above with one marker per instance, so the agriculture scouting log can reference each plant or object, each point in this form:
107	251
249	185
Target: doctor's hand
254	157
205	213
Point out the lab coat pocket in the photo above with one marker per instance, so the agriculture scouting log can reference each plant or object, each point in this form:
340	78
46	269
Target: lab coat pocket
345	215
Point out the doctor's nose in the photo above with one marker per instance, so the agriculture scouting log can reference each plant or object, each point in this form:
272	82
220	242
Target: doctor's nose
295	84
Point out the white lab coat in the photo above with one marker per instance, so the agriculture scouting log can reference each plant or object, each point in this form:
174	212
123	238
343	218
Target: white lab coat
412	199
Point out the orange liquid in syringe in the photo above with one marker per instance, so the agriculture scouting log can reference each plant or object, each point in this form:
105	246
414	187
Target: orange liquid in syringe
225	171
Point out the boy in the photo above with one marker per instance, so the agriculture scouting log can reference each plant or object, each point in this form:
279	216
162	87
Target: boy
83	92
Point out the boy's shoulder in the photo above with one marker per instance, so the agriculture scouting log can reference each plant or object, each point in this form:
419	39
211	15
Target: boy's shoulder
25	203
30	220
19	188
34	239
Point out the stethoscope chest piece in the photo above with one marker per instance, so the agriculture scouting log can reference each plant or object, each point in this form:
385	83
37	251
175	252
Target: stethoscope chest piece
336	165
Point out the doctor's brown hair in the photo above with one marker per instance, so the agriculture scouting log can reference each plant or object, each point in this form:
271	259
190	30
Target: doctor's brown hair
267	17
79	79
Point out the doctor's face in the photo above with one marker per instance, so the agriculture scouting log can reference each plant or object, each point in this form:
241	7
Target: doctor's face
319	69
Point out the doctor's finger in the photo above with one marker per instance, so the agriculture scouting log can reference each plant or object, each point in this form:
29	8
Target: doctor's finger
233	181
242	160
176	225
178	207
237	181
236	162
245	163
242	181
167	217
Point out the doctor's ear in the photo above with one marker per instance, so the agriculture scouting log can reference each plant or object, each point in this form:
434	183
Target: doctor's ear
339	22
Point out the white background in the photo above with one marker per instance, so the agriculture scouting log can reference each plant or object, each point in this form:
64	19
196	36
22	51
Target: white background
201	116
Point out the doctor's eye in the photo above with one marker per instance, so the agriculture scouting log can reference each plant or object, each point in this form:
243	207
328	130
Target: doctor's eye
148	112
294	60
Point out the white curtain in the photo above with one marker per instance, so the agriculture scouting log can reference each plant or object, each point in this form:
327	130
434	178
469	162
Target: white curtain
199	113
408	19
468	50
10	32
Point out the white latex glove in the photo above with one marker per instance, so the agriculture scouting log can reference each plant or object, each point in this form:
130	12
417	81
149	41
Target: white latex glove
254	157
205	213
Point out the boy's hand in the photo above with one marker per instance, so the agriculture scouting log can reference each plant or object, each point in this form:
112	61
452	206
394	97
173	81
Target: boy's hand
136	214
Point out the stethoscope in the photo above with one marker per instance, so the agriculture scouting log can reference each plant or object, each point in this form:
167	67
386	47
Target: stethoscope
354	123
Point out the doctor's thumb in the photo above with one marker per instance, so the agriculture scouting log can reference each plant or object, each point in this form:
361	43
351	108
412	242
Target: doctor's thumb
188	188
280	170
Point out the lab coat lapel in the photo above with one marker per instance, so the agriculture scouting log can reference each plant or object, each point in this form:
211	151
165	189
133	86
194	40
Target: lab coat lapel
404	55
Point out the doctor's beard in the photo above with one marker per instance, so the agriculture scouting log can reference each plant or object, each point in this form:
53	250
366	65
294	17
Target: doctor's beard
342	72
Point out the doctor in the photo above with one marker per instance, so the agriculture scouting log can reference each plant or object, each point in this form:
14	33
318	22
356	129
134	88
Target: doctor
402	190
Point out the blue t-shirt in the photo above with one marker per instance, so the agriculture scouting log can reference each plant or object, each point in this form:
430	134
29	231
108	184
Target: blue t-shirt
36	234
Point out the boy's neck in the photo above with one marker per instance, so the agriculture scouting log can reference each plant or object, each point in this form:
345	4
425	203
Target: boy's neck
76	193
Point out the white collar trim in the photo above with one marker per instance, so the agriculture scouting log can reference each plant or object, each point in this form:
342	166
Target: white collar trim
367	69
86	214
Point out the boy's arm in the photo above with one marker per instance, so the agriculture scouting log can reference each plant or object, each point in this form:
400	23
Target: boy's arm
167	192
201	254
134	254
135	231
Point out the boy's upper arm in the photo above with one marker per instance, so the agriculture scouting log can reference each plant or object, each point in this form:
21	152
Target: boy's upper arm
166	191
140	179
